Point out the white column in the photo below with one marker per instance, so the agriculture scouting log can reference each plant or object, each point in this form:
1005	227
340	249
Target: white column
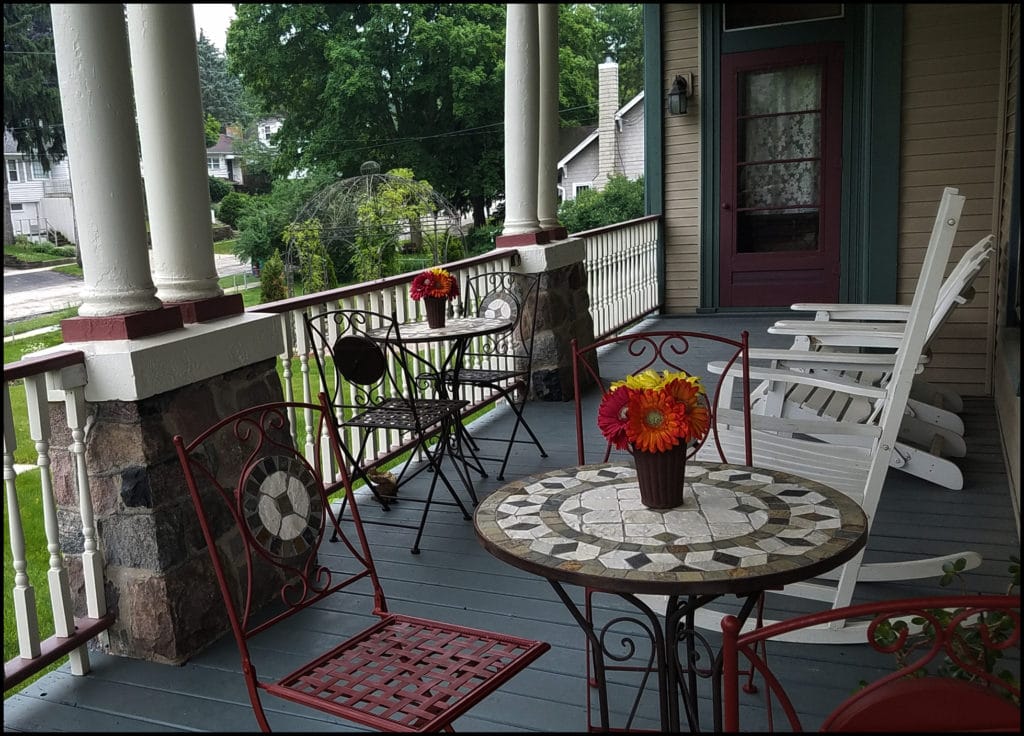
170	110
547	171
521	118
94	74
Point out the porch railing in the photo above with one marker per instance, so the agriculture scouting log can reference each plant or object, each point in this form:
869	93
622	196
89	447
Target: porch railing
622	273
623	288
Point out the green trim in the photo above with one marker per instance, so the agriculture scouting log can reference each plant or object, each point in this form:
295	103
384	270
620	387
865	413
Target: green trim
872	38
879	133
654	169
710	105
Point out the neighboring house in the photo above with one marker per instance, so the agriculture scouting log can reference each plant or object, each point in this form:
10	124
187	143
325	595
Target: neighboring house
41	203
615	146
267	128
221	161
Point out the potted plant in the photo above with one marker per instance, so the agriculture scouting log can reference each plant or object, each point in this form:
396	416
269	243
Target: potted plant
435	287
658	418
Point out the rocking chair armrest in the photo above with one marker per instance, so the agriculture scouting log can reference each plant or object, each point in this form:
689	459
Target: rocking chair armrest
855	312
843	334
786	375
823	359
809	425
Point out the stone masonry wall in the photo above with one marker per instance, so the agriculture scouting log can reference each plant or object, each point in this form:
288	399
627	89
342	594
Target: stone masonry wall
563	313
159	579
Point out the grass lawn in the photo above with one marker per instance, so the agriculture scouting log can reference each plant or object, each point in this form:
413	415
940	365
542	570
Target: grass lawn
28	256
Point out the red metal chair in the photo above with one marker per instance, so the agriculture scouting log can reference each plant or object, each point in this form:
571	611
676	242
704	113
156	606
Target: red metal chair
919	695
658	350
264	512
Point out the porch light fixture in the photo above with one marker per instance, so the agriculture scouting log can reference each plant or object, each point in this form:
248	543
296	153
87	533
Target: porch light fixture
682	88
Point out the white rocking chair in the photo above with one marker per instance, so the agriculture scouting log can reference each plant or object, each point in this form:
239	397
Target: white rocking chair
857	457
929	432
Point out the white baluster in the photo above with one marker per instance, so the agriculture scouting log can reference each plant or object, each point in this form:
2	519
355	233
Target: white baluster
24	593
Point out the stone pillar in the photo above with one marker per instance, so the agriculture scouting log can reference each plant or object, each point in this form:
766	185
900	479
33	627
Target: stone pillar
171	134
547	163
522	82
94	74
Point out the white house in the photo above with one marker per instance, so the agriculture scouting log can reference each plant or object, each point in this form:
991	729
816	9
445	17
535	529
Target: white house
616	146
41	202
222	162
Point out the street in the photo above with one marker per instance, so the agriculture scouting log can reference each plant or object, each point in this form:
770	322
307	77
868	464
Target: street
32	292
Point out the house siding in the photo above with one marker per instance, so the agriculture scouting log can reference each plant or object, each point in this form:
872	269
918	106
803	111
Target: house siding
680	39
952	98
629	154
581	170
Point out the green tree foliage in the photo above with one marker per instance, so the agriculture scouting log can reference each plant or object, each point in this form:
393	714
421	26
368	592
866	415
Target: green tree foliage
414	85
211	128
221	90
315	266
399	199
218	189
32	109
272	284
268	215
622	199
233	207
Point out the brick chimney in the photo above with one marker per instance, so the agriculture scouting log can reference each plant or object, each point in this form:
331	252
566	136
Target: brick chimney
607	106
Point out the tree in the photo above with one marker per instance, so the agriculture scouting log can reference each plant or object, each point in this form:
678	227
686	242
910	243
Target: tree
272	285
220	89
211	128
32	108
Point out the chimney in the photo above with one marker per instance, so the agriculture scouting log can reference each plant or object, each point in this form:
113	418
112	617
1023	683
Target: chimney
607	106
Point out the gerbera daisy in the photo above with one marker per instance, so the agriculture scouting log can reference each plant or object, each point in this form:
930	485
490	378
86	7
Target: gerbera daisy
611	417
654	422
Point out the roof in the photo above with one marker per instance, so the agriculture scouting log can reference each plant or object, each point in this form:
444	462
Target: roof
594	133
224	144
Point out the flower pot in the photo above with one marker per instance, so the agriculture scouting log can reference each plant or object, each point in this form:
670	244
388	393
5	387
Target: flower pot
437	310
661	476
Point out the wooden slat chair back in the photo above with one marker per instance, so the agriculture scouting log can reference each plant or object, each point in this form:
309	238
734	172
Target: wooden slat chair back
383	406
263	510
857	458
596	366
954	649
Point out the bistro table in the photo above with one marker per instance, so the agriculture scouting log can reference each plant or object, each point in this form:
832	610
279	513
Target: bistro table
457	332
740	531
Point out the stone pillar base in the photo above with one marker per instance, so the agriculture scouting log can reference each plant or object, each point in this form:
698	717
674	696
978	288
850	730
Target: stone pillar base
159	580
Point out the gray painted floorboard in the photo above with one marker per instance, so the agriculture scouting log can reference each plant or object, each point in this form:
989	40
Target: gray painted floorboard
454	579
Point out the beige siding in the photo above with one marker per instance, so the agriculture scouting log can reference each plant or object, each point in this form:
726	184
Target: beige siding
680	41
951	99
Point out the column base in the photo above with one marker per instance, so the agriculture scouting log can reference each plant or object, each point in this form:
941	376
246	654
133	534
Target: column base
121	326
539	237
557	233
204	310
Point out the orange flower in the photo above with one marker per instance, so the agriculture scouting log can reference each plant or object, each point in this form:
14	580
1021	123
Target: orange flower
435	282
654	422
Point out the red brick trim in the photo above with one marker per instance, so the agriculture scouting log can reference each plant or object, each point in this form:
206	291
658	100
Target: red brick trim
122	326
204	310
539	237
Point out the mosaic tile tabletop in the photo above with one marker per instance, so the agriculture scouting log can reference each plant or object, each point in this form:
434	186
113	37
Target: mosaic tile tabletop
455	327
738	529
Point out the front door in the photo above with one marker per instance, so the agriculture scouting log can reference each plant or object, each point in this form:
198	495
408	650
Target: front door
780	176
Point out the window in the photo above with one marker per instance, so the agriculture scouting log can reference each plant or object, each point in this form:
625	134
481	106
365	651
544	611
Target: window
266	132
12	171
213	163
37	171
577	188
17	207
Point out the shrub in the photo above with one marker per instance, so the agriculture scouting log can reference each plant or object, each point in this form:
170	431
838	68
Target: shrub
272	286
218	189
481	239
232	208
620	200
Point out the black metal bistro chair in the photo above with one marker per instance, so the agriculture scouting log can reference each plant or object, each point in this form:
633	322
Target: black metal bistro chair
263	509
381	405
499	366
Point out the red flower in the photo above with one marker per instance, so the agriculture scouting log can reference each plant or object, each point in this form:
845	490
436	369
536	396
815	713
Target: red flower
611	417
435	282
